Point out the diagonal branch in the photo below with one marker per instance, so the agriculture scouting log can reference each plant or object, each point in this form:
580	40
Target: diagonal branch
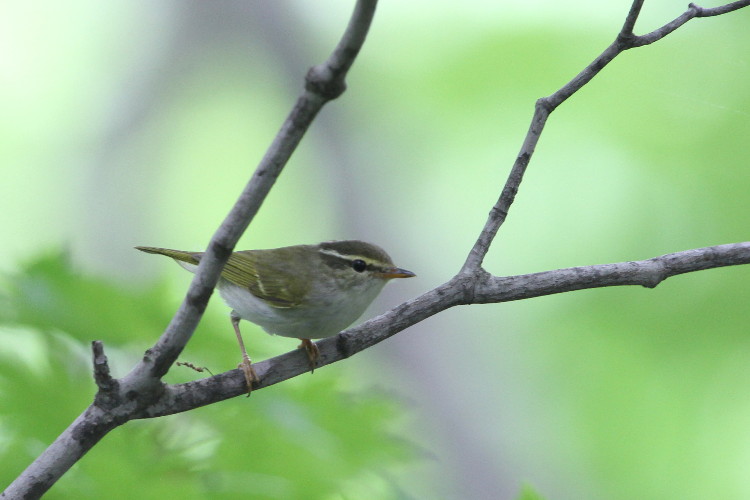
322	84
119	400
632	17
625	40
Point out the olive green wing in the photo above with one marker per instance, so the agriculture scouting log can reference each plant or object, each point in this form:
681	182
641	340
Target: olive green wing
273	280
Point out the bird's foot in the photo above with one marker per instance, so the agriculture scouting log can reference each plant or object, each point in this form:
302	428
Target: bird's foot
250	376
313	353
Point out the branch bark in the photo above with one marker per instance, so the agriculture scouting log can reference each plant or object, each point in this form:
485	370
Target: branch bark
463	289
544	106
142	394
119	400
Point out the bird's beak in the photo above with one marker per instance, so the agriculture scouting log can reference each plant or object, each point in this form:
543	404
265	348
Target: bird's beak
396	272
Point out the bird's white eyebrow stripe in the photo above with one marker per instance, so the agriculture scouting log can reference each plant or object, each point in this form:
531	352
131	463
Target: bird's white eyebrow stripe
348	258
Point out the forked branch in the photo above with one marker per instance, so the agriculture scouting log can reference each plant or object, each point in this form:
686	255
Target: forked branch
141	394
625	40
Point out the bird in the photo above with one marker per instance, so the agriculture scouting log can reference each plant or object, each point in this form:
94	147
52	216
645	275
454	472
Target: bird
300	291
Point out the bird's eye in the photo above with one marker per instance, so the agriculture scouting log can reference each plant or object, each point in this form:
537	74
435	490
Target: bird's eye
359	265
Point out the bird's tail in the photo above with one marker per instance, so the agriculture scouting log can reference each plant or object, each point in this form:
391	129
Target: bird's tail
179	255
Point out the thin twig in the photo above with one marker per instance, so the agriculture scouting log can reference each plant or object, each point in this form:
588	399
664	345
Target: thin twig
625	40
717	11
102	376
631	18
693	11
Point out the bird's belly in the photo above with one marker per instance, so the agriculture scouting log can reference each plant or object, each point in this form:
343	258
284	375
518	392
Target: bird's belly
296	322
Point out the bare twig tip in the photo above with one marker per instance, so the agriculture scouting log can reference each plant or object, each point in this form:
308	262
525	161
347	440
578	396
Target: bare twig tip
102	375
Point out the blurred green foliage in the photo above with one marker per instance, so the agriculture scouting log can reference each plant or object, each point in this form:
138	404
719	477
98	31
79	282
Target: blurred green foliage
528	493
309	438
138	123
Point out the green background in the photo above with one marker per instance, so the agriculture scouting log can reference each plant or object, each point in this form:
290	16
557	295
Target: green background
137	123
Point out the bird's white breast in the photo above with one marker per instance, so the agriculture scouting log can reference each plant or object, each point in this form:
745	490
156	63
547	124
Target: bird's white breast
322	318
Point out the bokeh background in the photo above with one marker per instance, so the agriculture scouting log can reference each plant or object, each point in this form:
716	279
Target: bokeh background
137	123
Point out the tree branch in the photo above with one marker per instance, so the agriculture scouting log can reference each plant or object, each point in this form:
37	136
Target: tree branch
463	289
632	17
544	106
142	394
647	273
322	84
117	401
717	11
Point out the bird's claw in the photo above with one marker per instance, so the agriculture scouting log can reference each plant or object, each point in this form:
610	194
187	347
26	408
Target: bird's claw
250	376
313	353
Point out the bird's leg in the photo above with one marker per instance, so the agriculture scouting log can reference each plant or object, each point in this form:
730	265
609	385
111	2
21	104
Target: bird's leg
313	353
246	365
